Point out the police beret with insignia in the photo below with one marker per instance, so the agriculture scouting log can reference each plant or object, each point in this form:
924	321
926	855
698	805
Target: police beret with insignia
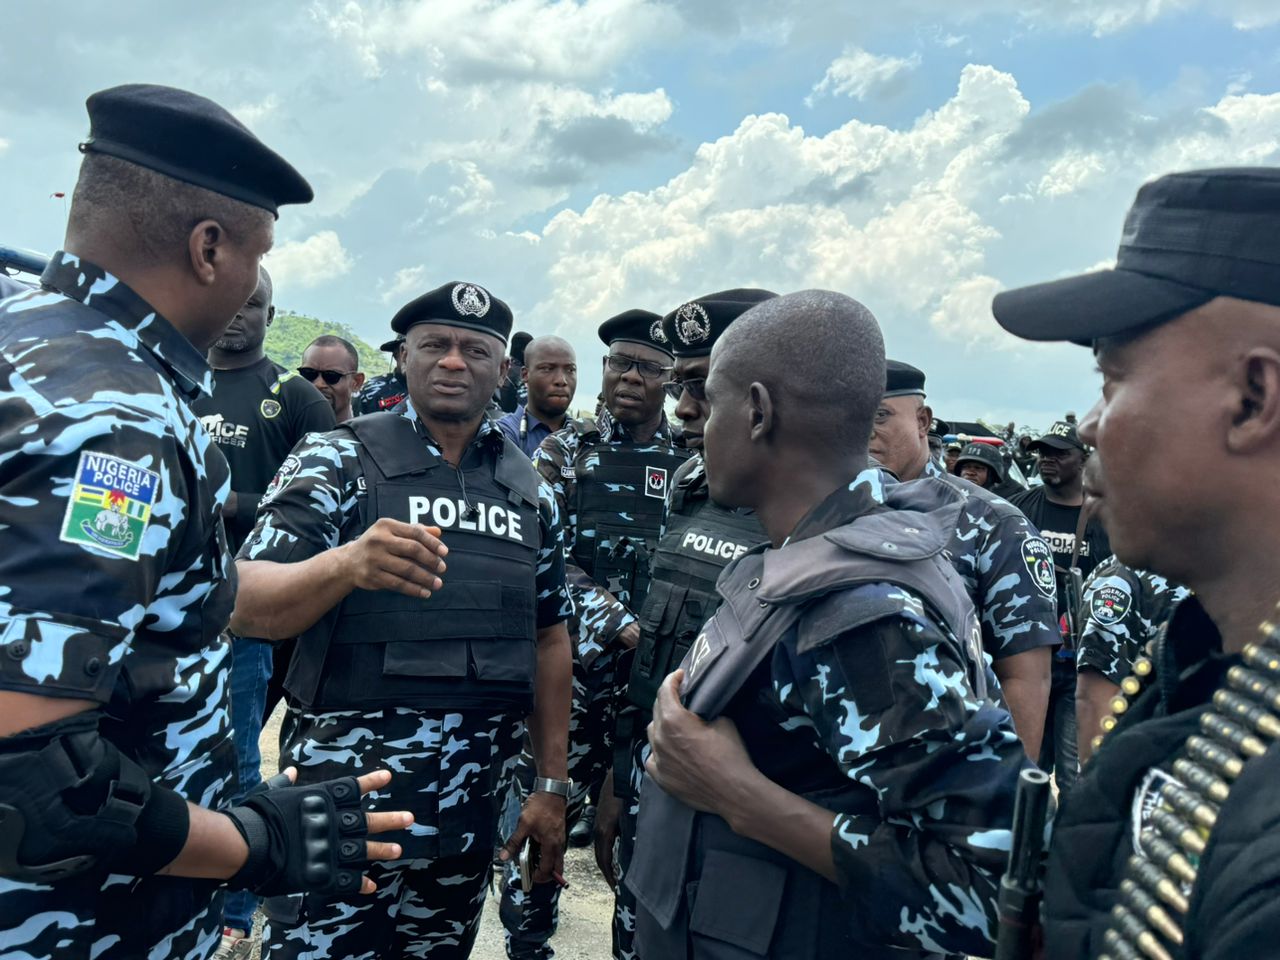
192	139
635	326
391	346
985	454
694	327
902	379
466	305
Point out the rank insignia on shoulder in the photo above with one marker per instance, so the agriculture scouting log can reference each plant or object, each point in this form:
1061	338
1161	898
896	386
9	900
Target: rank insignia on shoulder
110	505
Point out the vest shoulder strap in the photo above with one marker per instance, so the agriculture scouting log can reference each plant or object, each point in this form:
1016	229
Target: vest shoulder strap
392	443
517	473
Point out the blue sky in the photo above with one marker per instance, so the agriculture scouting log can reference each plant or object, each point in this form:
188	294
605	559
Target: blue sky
581	158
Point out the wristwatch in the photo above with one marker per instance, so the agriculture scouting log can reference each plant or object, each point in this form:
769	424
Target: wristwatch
560	788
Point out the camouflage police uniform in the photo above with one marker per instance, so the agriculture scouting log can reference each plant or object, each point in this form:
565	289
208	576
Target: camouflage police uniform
117	584
1007	568
446	764
601	612
382	392
1122	610
872	706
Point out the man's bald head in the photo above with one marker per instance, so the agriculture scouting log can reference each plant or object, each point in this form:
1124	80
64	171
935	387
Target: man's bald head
821	356
547	344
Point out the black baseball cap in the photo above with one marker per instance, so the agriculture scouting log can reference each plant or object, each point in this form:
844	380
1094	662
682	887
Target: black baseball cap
392	345
1188	238
191	138
1061	436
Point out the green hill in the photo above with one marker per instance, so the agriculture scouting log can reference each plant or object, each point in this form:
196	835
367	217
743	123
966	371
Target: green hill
290	333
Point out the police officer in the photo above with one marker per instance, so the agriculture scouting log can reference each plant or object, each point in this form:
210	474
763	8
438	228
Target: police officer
386	389
699	539
434	682
827	777
1005	565
1185	327
610	480
115	743
980	464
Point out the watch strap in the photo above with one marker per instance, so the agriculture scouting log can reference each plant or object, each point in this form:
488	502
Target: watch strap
560	788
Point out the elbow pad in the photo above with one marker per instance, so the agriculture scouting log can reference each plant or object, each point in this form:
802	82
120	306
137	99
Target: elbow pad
71	802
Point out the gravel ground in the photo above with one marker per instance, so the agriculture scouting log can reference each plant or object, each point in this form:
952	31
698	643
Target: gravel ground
586	907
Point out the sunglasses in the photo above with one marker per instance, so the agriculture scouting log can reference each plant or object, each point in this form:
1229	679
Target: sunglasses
646	368
697	389
331	377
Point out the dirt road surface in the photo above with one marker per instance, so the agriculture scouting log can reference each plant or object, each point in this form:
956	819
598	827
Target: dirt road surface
586	907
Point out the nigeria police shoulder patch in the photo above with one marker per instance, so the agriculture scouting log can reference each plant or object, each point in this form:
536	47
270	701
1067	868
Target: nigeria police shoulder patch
1109	604
1038	557
110	505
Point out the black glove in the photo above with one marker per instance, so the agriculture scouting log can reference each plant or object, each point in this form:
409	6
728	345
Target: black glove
302	839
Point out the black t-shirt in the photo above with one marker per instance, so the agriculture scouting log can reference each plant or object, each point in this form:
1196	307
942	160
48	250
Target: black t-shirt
256	415
1057	524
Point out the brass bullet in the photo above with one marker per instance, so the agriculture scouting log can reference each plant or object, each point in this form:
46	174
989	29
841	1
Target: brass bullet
1189	806
1232	733
1165	856
1131	686
1119	947
1201	780
1136	932
1179	831
1142	667
1215	757
1143	904
1255	685
1262	659
1231	702
1119	704
1150	876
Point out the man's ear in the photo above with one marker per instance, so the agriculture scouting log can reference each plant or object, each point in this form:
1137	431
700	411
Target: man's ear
205	245
271	314
760	411
503	367
1255	419
524	373
924	419
357	382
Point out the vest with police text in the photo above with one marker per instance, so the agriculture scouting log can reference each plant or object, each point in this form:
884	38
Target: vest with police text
701	539
470	644
696	881
621	495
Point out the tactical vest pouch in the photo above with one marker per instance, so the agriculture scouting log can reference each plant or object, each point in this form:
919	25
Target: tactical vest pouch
659	618
737	901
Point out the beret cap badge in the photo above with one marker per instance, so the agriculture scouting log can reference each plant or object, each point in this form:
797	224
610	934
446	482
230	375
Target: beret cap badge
470	300
692	323
655	331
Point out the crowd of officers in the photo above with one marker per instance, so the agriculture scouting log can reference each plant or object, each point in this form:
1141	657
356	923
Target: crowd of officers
796	654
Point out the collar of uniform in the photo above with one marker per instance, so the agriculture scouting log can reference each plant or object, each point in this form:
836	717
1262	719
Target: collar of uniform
487	433
931	469
611	429
78	279
1191	642
862	495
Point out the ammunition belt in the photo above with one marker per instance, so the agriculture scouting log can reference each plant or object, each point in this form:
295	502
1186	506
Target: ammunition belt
1242	723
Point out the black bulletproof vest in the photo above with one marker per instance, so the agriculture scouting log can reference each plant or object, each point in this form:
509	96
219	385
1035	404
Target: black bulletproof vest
470	644
704	891
701	539
621	494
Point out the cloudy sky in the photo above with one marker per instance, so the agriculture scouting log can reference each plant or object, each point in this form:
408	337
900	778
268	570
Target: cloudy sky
581	157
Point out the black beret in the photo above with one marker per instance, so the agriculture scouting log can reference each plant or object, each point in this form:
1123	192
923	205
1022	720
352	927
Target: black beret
902	379
391	346
985	454
635	326
694	327
191	138
466	305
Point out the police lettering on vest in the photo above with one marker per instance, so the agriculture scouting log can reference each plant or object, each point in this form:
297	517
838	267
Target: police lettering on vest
448	513
712	546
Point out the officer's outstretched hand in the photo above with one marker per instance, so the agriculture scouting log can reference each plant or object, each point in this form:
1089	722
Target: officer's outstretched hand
703	765
311	839
392	555
542	821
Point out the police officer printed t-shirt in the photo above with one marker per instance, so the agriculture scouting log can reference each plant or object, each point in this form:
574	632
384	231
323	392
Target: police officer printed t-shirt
256	415
1057	524
117	581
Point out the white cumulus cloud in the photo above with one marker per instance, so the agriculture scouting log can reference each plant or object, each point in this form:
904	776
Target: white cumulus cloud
310	262
858	74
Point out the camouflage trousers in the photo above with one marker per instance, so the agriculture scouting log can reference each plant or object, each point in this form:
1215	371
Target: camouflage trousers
530	919
421	908
89	918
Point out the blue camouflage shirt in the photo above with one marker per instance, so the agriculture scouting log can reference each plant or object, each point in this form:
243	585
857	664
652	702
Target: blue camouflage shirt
1007	568
892	705
599	616
115	580
1122	611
